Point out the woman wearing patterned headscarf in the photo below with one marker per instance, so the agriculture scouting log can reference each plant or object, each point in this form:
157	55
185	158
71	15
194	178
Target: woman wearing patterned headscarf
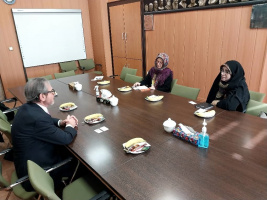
229	90
159	77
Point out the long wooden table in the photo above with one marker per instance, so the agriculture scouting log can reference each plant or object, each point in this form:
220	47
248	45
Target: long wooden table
233	167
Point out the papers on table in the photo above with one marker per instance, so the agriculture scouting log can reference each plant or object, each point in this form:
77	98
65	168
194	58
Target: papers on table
97	78
140	87
101	129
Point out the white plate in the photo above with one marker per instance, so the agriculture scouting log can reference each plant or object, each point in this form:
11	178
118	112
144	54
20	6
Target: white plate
72	108
100	119
159	99
125	89
206	114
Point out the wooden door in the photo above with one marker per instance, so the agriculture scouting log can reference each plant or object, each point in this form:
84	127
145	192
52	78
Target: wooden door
118	64
135	64
133	30
117	31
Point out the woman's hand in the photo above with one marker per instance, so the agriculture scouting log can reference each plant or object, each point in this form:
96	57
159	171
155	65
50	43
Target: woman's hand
214	102
136	84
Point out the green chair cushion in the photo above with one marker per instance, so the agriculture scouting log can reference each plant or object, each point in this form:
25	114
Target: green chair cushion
184	91
132	78
64	74
68	66
255	107
19	190
126	70
257	96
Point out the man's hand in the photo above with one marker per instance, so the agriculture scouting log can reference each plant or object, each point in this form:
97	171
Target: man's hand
71	119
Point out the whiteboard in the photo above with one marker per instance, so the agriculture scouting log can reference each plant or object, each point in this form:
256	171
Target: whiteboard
49	36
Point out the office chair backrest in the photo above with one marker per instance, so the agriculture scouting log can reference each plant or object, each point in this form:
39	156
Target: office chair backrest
257	96
126	70
68	66
184	91
3	116
5	128
132	78
255	107
47	77
3	181
86	64
174	81
64	74
41	181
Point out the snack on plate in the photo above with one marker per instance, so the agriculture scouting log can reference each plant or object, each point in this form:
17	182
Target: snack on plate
94	118
154	97
133	141
209	113
103	82
125	89
67	106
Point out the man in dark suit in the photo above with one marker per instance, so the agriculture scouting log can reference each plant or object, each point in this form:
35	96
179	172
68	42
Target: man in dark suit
36	135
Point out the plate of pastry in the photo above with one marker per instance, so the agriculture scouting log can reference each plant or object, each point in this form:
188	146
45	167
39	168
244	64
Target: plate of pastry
205	113
94	118
154	98
103	82
125	89
67	106
136	146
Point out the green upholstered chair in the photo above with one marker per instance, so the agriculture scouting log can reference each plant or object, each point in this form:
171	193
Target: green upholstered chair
64	74
255	107
18	190
174	81
68	66
132	78
47	77
5	128
44	185
184	91
88	64
257	96
124	71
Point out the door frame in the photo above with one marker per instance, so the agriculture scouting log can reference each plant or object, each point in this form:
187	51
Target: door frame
143	38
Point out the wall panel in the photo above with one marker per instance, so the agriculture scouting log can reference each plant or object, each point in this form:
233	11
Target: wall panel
205	39
11	60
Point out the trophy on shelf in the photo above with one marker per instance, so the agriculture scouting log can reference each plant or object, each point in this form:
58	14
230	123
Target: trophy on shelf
233	1
202	2
150	7
161	5
192	4
168	5
183	3
222	1
146	8
212	2
155	5
175	4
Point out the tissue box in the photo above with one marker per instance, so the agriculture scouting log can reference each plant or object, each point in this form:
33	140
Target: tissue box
191	137
72	85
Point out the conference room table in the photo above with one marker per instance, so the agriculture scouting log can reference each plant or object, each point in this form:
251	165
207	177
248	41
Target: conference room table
233	167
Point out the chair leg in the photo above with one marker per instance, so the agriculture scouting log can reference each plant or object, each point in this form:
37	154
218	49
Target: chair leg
75	171
8	195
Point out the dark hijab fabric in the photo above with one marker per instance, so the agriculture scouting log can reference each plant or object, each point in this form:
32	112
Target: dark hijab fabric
236	94
163	73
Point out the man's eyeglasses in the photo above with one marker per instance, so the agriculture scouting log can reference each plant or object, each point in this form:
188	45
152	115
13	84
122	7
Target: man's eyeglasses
51	91
225	71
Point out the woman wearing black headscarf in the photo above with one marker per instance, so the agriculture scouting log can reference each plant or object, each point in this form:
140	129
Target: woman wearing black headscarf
229	90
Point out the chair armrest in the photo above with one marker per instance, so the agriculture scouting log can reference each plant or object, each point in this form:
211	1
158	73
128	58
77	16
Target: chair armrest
47	169
113	76
11	110
14	99
5	151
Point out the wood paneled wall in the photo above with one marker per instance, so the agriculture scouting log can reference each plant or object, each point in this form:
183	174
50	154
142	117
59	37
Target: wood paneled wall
198	42
11	65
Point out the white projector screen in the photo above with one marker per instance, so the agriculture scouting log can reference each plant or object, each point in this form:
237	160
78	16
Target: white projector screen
49	36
